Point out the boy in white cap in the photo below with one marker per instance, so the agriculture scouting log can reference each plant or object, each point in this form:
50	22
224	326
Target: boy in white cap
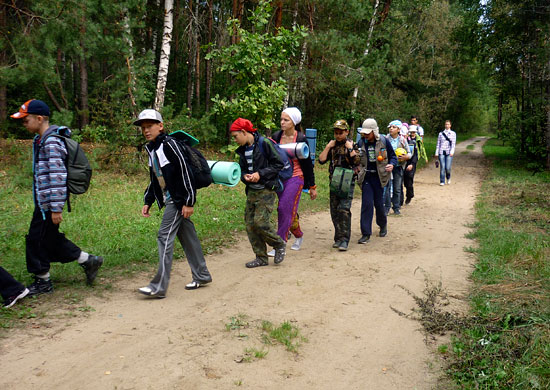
397	141
45	244
171	186
377	162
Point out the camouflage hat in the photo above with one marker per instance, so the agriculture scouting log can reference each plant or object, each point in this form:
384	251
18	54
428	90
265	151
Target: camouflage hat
341	124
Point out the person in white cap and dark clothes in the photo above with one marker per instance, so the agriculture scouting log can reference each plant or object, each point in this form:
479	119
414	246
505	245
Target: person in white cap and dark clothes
397	142
45	244
410	167
377	163
171	186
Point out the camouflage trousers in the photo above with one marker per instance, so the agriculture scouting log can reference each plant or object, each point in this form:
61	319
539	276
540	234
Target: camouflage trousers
340	213
257	217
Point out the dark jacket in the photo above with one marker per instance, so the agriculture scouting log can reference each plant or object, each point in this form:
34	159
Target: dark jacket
175	170
266	163
306	164
414	159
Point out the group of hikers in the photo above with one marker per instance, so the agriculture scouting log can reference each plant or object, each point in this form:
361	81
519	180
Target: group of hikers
380	165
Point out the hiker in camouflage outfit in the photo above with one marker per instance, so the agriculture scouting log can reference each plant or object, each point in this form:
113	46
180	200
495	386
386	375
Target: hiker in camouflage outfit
341	152
260	172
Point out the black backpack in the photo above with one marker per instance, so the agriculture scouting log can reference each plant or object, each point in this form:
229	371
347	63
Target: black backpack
202	175
79	171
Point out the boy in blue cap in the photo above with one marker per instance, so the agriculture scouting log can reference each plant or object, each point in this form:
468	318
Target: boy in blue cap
44	242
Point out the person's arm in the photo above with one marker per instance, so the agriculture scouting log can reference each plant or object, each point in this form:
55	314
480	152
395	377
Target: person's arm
324	156
453	143
56	153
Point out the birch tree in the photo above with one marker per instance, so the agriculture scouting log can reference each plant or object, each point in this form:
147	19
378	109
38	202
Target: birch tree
164	54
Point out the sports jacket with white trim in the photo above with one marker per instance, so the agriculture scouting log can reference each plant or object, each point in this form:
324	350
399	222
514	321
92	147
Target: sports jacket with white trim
176	172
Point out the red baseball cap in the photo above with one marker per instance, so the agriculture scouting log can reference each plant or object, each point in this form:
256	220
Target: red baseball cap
33	106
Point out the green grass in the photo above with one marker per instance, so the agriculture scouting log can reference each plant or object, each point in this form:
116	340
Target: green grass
286	334
107	221
505	344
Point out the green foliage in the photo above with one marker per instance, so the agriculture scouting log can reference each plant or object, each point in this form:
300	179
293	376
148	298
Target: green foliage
252	63
506	343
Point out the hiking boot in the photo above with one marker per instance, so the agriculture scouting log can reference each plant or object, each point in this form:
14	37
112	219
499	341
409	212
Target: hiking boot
150	293
297	244
336	244
343	246
383	231
91	266
12	300
364	239
40	286
408	200
256	263
279	255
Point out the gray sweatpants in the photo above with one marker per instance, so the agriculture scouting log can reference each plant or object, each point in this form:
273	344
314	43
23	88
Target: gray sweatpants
174	224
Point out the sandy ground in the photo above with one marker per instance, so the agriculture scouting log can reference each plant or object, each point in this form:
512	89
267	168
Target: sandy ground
340	301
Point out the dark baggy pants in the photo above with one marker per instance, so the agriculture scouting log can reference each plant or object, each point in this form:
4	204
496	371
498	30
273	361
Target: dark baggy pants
257	218
9	287
340	213
408	180
372	197
46	244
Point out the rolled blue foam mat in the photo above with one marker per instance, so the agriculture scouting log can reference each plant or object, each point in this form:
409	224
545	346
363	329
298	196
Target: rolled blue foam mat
296	150
225	172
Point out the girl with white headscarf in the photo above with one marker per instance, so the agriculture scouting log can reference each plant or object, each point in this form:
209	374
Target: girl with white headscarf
302	178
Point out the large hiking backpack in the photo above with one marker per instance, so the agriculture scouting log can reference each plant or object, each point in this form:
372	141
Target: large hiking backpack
288	166
79	171
202	175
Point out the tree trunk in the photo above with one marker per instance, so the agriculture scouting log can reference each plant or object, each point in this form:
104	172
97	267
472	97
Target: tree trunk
84	108
365	53
279	15
3	62
164	54
196	41
208	69
548	118
129	63
61	75
499	115
52	97
76	95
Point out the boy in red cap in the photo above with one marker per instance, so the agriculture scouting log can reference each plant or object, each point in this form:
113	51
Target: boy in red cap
45	243
260	168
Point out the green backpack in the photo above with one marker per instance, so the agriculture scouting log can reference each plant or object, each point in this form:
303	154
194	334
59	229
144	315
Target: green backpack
342	181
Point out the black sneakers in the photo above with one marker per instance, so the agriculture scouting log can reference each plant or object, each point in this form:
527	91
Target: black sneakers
279	255
12	300
256	263
336	244
196	284
383	231
364	239
40	286
91	266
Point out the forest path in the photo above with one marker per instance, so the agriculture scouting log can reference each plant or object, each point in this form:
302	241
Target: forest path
340	301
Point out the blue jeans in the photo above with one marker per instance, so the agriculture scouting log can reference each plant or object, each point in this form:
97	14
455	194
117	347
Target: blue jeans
445	162
393	198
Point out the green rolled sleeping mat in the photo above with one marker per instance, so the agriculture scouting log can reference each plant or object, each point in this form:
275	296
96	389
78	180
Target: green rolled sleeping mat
225	172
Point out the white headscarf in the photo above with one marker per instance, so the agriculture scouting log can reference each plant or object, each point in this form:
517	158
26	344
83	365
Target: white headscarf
294	114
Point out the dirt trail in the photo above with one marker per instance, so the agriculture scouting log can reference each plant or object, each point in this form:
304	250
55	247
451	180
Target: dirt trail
340	301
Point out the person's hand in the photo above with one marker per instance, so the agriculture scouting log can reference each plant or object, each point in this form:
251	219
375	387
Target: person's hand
388	168
56	218
331	144
452	155
349	144
252	177
187	211
145	211
312	193
410	168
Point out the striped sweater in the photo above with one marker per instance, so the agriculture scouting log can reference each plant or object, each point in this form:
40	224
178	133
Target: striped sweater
49	172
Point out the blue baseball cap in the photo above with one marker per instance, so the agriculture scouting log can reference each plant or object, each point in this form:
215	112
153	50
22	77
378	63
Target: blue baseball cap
34	107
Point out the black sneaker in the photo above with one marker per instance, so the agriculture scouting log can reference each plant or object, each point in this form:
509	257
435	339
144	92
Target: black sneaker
396	212
279	255
343	246
383	231
12	300
336	244
364	239
40	286
91	266
256	263
196	284
408	200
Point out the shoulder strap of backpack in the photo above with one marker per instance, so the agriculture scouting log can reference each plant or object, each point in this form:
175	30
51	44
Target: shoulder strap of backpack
447	138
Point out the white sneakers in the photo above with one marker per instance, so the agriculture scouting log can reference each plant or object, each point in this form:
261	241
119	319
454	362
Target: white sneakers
295	247
441	184
297	244
448	181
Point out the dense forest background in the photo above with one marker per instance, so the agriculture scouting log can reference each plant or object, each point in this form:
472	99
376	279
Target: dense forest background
97	63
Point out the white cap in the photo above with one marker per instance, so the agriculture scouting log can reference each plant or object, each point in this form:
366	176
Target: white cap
413	129
148	115
368	126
